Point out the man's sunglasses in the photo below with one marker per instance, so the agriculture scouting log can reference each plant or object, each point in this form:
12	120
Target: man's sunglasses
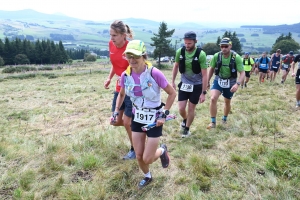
129	56
224	46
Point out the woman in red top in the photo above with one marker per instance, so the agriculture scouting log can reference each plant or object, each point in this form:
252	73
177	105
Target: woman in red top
119	32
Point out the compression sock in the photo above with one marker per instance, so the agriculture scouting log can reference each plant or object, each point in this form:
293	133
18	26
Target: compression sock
224	118
213	120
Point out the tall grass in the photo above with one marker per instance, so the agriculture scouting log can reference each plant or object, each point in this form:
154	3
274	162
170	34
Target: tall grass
56	143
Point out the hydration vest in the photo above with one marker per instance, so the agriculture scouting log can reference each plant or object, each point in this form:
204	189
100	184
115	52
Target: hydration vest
232	65
149	88
267	60
249	63
288	59
195	62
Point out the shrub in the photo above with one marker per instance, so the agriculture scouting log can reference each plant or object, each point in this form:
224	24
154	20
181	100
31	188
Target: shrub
18	69
46	68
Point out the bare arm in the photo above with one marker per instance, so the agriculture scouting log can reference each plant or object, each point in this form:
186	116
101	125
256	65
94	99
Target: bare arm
120	99
110	76
210	73
174	74
235	87
270	63
171	96
204	85
170	100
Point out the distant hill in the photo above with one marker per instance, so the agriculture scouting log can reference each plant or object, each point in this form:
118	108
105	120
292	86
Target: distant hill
284	28
32	14
89	34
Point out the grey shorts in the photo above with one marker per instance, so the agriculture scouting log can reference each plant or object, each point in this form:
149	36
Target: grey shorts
126	106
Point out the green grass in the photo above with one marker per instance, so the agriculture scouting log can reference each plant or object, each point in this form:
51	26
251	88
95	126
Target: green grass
56	143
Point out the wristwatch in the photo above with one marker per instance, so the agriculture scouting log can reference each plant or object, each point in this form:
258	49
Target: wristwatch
166	112
238	83
204	92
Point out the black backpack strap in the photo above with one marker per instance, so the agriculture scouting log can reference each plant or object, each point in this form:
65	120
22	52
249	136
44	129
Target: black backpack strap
232	65
182	60
195	62
219	64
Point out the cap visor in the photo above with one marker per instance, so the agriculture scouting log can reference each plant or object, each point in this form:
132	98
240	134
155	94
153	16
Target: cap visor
133	51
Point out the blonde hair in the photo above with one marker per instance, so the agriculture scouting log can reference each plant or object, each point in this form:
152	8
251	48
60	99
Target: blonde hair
122	28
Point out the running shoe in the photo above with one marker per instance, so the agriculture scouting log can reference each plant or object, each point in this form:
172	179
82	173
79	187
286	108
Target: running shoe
186	133
144	182
224	121
130	155
211	125
164	158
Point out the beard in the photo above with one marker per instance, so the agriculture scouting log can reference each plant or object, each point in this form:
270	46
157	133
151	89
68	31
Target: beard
191	48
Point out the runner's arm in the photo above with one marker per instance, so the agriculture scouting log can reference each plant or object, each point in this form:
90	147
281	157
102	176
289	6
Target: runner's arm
110	76
120	99
171	96
270	63
210	74
204	79
174	74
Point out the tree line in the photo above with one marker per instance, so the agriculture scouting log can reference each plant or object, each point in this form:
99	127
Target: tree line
24	51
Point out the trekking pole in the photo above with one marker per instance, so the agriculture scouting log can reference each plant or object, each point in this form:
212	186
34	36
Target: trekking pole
152	125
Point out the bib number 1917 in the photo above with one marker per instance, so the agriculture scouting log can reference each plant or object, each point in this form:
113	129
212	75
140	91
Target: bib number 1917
145	117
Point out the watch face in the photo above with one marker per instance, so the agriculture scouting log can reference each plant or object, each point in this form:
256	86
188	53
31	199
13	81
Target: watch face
204	92
167	112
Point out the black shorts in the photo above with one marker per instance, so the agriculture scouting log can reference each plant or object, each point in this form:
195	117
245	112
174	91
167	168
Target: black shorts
263	70
153	132
126	105
274	69
286	69
297	79
193	97
247	74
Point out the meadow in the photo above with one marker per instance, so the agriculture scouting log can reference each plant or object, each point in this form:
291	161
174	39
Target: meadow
56	142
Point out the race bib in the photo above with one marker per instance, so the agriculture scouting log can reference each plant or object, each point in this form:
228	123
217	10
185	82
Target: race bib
187	87
285	66
263	65
224	83
145	116
274	67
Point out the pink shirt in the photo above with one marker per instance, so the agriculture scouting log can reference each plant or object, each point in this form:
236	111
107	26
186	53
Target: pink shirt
157	75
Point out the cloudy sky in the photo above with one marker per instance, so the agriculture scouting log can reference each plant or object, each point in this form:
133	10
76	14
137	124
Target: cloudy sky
229	12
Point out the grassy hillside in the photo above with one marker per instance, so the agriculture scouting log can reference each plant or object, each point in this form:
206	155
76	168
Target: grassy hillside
56	143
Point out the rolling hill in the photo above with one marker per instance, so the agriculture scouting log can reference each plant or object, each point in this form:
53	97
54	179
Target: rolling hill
77	33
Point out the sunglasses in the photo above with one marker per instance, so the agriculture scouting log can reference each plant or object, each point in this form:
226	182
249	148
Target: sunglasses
129	56
226	46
